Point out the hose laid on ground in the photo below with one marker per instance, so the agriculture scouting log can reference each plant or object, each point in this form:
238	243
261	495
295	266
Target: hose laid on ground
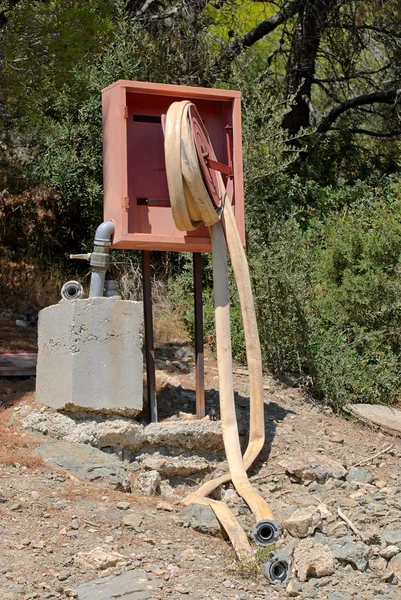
191	206
233	529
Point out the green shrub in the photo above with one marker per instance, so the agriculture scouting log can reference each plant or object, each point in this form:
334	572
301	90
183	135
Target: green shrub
279	269
328	298
356	307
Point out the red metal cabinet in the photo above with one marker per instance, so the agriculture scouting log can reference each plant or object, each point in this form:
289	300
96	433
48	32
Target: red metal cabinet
135	185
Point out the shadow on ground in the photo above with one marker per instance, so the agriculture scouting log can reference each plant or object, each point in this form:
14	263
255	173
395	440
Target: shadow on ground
174	399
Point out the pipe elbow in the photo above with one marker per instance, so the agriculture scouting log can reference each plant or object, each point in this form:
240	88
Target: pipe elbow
104	233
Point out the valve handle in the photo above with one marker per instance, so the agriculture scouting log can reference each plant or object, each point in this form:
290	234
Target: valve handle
86	257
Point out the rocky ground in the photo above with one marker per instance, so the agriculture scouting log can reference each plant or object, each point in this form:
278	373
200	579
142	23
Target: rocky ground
112	512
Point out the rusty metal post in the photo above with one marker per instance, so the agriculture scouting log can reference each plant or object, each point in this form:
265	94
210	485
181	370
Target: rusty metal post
199	353
149	341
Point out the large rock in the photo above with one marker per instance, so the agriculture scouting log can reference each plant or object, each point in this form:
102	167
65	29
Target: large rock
99	558
120	432
294	588
348	551
90	355
86	462
392	538
130	585
359	475
201	518
303	522
312	559
148	483
355	553
171	466
308	467
385	417
389	551
167	491
132	520
377	564
395	566
202	435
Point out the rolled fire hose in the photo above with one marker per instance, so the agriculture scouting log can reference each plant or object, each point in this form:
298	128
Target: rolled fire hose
191	206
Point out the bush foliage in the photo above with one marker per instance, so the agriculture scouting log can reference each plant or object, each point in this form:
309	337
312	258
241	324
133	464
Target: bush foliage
328	298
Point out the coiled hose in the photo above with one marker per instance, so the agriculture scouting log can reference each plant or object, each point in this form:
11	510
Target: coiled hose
192	205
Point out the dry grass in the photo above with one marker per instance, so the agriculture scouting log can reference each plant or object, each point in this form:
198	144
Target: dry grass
92	490
14	338
168	327
250	567
16	447
23	287
15	390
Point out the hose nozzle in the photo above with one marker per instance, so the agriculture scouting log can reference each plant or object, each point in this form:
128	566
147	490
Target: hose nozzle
277	569
266	532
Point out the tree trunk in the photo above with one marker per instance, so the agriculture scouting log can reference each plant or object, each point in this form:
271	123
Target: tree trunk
311	22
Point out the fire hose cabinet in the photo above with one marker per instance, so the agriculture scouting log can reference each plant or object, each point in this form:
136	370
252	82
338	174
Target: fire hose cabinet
136	195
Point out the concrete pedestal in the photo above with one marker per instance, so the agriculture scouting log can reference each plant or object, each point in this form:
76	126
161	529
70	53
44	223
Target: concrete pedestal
90	355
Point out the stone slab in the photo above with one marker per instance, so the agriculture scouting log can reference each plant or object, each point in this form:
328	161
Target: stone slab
86	462
385	417
90	355
112	431
130	585
18	364
307	466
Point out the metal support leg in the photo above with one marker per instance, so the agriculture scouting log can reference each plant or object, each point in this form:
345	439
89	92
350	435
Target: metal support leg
199	354
149	341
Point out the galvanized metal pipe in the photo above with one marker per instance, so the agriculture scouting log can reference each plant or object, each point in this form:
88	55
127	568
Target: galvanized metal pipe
100	258
104	233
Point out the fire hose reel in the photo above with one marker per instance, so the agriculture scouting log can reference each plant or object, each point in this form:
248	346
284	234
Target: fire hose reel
136	194
173	181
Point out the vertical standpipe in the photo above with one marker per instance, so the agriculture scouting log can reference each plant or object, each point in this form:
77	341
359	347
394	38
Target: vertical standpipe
100	258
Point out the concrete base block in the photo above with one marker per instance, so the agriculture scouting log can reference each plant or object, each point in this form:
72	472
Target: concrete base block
90	355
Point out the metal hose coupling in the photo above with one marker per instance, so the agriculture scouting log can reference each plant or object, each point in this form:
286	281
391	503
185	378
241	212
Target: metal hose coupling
72	290
277	569
266	531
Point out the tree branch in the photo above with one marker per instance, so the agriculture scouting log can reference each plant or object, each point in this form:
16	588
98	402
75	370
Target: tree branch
313	111
384	31
173	11
257	33
354	76
378	134
388	97
144	8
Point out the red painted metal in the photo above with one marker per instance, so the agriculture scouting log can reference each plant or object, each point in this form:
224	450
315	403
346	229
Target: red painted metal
205	155
216	166
135	184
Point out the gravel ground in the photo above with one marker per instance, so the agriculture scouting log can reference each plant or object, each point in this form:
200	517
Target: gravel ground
50	520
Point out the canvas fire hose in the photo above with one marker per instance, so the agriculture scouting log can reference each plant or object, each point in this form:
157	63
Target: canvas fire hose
198	195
